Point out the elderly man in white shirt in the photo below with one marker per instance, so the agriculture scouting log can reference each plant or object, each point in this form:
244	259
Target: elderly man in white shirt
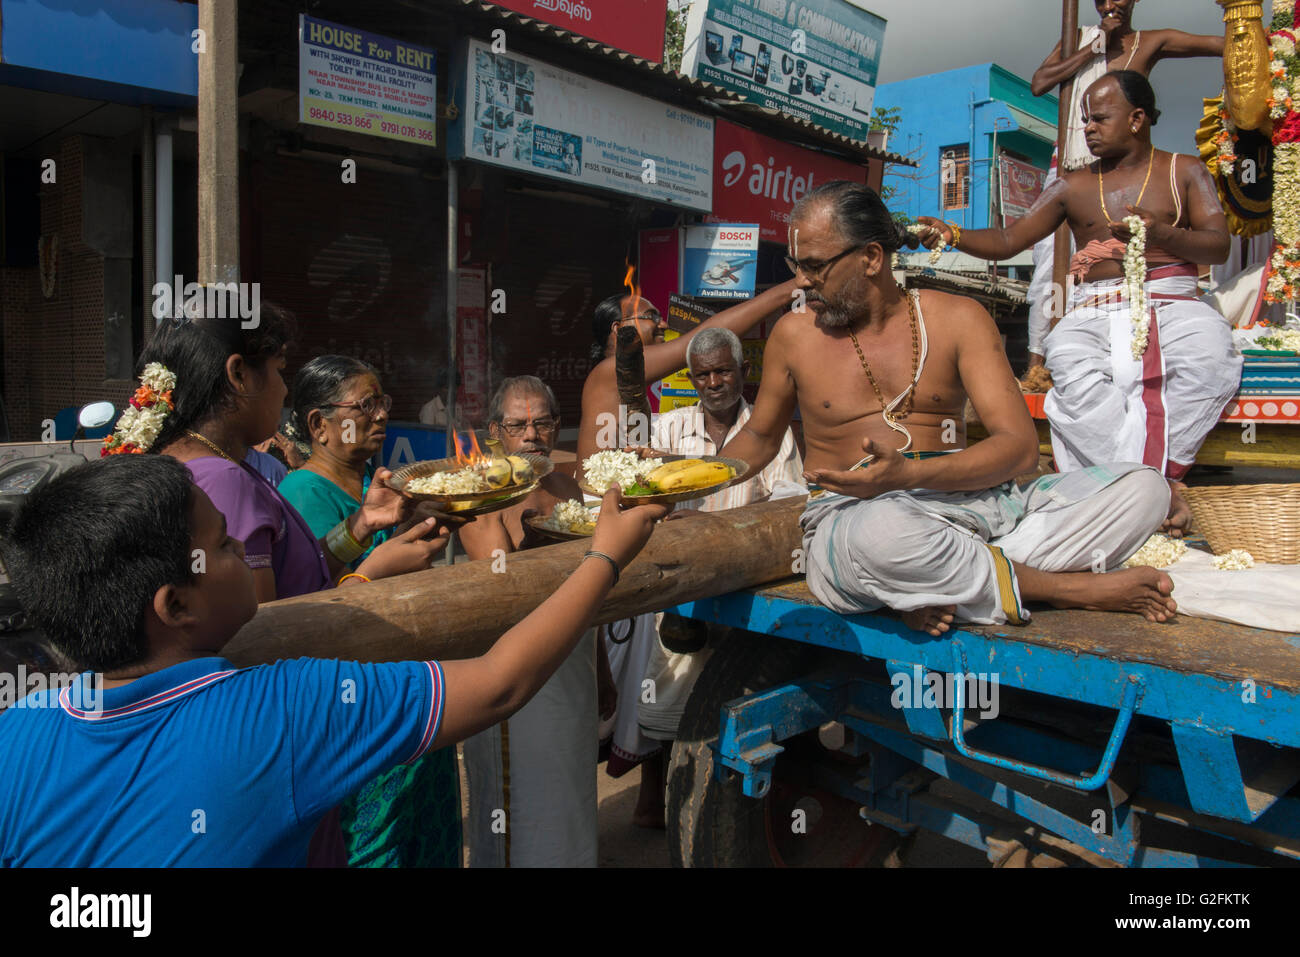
717	368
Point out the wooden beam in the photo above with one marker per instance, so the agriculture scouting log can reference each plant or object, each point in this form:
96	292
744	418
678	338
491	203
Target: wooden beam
218	141
1061	262
459	612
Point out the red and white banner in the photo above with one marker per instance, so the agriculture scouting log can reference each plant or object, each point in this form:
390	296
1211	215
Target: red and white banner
1021	186
757	179
636	26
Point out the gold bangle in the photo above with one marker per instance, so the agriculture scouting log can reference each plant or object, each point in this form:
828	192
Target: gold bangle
343	545
353	575
956	233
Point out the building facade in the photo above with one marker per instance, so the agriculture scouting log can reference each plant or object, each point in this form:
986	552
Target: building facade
963	128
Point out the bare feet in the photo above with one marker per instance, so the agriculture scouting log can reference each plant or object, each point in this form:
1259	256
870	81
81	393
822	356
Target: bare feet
1180	515
934	620
1145	591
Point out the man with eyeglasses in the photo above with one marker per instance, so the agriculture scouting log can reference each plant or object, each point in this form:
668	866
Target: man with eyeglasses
539	767
923	523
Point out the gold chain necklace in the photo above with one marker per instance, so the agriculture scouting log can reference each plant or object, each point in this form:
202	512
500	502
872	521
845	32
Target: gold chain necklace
1101	193
212	446
891	417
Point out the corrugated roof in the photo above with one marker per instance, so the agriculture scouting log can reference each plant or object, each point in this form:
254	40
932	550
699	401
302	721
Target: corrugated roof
1013	290
721	100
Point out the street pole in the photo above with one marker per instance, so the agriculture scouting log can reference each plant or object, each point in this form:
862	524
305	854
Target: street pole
1061	262
218	41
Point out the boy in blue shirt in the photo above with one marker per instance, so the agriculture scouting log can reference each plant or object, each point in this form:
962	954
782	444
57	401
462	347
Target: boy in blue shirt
180	759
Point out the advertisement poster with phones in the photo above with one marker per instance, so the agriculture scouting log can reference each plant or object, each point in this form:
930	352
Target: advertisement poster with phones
528	115
815	59
720	262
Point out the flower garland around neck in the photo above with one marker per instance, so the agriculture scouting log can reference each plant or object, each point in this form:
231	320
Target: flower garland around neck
138	428
1135	278
1283	283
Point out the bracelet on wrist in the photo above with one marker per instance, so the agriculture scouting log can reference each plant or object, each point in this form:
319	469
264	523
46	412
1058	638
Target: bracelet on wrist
343	545
956	233
353	575
592	553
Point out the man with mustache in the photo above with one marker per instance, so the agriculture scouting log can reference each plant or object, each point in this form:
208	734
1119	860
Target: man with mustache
924	524
532	779
1109	405
1111	45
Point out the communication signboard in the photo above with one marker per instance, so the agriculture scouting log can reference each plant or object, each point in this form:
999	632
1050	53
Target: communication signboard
815	59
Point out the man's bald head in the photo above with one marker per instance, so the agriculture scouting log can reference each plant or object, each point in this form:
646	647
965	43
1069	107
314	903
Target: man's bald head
1119	110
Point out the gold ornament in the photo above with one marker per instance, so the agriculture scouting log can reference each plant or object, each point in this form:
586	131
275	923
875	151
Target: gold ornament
1246	57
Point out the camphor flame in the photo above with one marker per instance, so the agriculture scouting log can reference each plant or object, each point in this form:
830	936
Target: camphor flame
468	452
632	306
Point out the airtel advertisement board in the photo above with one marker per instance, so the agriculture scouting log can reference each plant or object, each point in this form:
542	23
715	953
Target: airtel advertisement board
636	26
757	179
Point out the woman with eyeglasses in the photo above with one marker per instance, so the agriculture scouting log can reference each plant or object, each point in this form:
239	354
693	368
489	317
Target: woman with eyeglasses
341	413
409	816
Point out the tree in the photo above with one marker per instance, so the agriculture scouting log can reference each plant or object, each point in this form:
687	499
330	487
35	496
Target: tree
674	34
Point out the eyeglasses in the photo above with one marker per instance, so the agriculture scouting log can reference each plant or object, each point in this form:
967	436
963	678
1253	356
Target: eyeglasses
543	426
814	270
652	317
369	406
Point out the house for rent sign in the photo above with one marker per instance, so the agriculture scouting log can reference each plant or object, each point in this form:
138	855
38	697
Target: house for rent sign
366	83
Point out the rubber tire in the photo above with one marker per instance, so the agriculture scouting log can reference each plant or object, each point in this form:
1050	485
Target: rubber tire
711	823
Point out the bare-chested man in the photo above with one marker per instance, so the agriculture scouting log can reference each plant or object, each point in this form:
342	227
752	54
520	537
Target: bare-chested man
1107	405
541	764
936	536
1111	45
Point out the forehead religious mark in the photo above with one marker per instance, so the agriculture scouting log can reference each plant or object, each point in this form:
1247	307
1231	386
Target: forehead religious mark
796	244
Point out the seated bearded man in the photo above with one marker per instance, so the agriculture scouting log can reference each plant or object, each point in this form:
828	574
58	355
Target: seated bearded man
927	526
1152	402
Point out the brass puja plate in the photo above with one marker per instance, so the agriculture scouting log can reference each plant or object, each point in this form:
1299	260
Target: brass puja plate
468	503
685	495
539	524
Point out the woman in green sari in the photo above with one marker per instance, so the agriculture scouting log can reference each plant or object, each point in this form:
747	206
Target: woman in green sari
409	816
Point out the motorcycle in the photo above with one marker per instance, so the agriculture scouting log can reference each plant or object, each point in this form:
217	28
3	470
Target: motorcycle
24	650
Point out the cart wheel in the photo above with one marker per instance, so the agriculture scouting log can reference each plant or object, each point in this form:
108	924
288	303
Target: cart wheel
716	824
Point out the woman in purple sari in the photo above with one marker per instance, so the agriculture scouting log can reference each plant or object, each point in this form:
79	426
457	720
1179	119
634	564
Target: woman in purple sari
228	395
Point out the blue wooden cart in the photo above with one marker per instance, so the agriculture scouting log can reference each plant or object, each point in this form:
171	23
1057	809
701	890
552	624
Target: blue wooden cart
815	738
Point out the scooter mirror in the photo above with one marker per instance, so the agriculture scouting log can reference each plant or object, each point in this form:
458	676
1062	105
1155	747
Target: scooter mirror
96	414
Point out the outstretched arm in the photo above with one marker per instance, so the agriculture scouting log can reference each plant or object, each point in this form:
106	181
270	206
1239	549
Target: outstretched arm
600	392
1047	213
1177	45
486	690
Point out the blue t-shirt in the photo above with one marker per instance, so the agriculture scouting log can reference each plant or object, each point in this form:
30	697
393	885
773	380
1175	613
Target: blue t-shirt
203	764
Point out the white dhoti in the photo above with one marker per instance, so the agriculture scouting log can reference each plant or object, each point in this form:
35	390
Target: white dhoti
1107	406
532	779
672	676
922	549
630	645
